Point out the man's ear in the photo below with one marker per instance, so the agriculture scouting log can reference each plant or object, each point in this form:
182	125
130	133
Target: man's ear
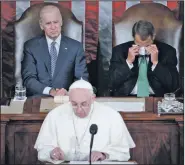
154	37
93	97
41	26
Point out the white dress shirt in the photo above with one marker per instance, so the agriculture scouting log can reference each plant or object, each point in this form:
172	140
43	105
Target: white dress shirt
134	91
57	45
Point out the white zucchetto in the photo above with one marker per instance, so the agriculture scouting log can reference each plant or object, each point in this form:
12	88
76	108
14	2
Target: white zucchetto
81	84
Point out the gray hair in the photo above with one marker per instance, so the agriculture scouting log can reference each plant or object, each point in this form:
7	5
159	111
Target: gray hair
144	29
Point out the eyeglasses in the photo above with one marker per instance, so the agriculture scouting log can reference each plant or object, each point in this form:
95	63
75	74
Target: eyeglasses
83	105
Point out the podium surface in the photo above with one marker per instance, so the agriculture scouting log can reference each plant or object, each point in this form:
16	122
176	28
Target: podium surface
100	162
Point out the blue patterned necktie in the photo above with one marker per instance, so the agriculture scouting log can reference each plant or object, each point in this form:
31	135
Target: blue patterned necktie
53	54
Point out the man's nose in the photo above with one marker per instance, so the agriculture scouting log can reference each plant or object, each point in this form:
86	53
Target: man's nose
79	108
52	26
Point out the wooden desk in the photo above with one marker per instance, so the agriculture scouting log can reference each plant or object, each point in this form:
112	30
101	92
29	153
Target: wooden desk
159	139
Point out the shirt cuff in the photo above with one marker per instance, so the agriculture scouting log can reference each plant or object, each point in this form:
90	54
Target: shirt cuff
106	155
129	65
46	90
44	156
153	67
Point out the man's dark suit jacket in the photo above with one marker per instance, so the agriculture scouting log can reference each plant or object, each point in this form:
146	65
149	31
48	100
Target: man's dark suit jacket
36	65
163	79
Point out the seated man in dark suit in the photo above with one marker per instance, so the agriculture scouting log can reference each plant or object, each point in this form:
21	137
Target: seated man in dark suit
52	61
144	66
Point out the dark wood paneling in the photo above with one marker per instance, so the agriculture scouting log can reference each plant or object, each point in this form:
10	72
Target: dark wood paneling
156	99
156	141
3	136
149	101
21	138
32	105
181	139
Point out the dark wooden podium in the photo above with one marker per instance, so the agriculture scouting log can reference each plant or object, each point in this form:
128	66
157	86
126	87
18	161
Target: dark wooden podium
159	139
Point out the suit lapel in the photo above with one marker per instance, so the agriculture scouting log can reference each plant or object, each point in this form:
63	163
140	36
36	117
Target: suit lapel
45	54
63	53
135	63
149	63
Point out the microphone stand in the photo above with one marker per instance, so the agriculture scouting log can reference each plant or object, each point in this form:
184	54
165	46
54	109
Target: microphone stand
92	137
93	130
90	157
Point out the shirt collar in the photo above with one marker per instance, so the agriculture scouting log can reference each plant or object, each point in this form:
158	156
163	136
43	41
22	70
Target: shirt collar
49	40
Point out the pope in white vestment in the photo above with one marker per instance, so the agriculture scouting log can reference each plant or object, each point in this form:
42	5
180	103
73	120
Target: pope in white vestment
67	128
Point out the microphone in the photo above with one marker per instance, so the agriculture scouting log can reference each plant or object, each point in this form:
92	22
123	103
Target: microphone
93	130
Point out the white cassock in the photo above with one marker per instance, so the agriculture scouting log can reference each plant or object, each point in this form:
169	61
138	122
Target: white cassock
62	128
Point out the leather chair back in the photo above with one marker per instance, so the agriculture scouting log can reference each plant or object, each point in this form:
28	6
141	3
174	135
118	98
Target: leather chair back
28	27
168	29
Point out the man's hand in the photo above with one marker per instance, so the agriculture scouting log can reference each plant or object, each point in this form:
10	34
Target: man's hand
57	154
95	156
152	49
52	92
58	92
132	52
61	92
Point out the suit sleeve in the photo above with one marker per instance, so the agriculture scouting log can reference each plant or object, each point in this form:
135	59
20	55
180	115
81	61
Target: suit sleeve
29	73
166	72
80	65
119	71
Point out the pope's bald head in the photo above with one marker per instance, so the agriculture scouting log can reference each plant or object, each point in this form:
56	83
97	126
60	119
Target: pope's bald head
49	9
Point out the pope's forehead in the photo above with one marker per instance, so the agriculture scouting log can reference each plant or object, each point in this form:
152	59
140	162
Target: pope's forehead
79	94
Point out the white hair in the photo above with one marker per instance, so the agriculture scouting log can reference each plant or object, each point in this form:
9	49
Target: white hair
48	8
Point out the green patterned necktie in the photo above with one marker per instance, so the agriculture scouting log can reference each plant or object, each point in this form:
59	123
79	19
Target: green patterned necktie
142	81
